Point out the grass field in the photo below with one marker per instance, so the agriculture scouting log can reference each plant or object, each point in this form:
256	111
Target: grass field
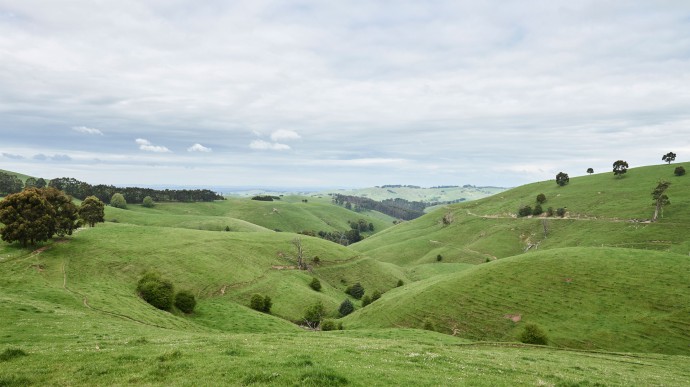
609	289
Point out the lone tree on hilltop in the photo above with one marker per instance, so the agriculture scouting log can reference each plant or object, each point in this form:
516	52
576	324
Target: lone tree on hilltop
28	217
562	179
620	167
669	157
118	201
660	198
92	211
679	171
590	170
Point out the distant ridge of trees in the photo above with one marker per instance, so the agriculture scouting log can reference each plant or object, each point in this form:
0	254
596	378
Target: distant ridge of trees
81	190
397	208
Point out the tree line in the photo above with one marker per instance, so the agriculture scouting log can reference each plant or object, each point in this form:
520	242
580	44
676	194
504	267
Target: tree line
397	208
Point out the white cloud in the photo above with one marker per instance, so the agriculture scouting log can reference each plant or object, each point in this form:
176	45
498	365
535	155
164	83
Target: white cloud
265	145
86	130
12	156
199	148
284	135
146	145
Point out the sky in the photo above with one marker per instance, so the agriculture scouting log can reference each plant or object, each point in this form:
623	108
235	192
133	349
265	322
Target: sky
340	93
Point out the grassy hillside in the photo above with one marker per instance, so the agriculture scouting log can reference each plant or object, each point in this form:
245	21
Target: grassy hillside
612	299
447	194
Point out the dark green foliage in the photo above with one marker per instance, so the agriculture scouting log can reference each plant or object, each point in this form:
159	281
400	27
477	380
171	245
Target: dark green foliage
549	211
118	201
261	303
562	179
346	307
227	228
185	301
265	198
66	213
669	157
9	184
620	167
679	171
560	212
525	211
314	314
360	225
541	198
660	198
400	283
315	284
532	334
439	258
156	291
366	300
537	210
316	260
397	208
376	295
11	353
148	202
92	211
590	170
356	290
428	325
28	217
328	325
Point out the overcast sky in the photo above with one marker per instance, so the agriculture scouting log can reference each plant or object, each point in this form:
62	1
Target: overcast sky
340	93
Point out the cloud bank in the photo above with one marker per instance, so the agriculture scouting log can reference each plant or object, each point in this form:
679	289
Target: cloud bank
146	145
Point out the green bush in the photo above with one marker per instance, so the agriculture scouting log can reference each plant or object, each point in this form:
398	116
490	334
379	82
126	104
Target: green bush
156	290
356	290
148	202
118	201
439	258
537	210
328	325
400	283
314	314
532	334
346	307
315	284
541	198
261	303
525	211
366	300
428	325
679	171
267	304
549	211
376	295
560	212
185	301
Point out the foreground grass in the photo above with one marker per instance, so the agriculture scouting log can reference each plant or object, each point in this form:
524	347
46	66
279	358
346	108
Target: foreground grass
397	357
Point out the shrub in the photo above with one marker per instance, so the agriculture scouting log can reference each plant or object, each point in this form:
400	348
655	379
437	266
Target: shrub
366	300
356	290
375	296
400	283
532	334
185	301
328	325
679	171
439	258
346	307
316	260
148	202
261	303
541	198
525	211
118	201
537	210
549	211
428	325
314	314
315	284
560	212
227	228
156	291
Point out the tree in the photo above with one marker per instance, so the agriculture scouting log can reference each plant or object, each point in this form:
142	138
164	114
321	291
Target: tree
9	184
315	284
590	170
257	302
525	211
356	290
66	214
346	307
92	211
679	171
562	179
185	301
439	258
376	295
148	203
660	198
620	167
537	210
560	212
118	201
40	183
30	182
532	334
366	300
314	314
156	291
28	217
669	157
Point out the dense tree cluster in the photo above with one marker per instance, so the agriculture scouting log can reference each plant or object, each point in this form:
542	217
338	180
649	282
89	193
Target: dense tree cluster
135	195
261	303
36	214
397	208
265	198
361	225
344	238
10	184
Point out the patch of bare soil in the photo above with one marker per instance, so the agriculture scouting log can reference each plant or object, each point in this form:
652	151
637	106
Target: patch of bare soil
513	317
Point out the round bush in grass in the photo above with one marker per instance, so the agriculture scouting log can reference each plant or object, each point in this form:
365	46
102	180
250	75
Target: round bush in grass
148	202
532	334
314	314
257	302
366	300
356	290
118	201
346	307
679	171
157	292
315	284
185	301
328	325
376	295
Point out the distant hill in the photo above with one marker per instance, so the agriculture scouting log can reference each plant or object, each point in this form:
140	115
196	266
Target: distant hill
419	194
